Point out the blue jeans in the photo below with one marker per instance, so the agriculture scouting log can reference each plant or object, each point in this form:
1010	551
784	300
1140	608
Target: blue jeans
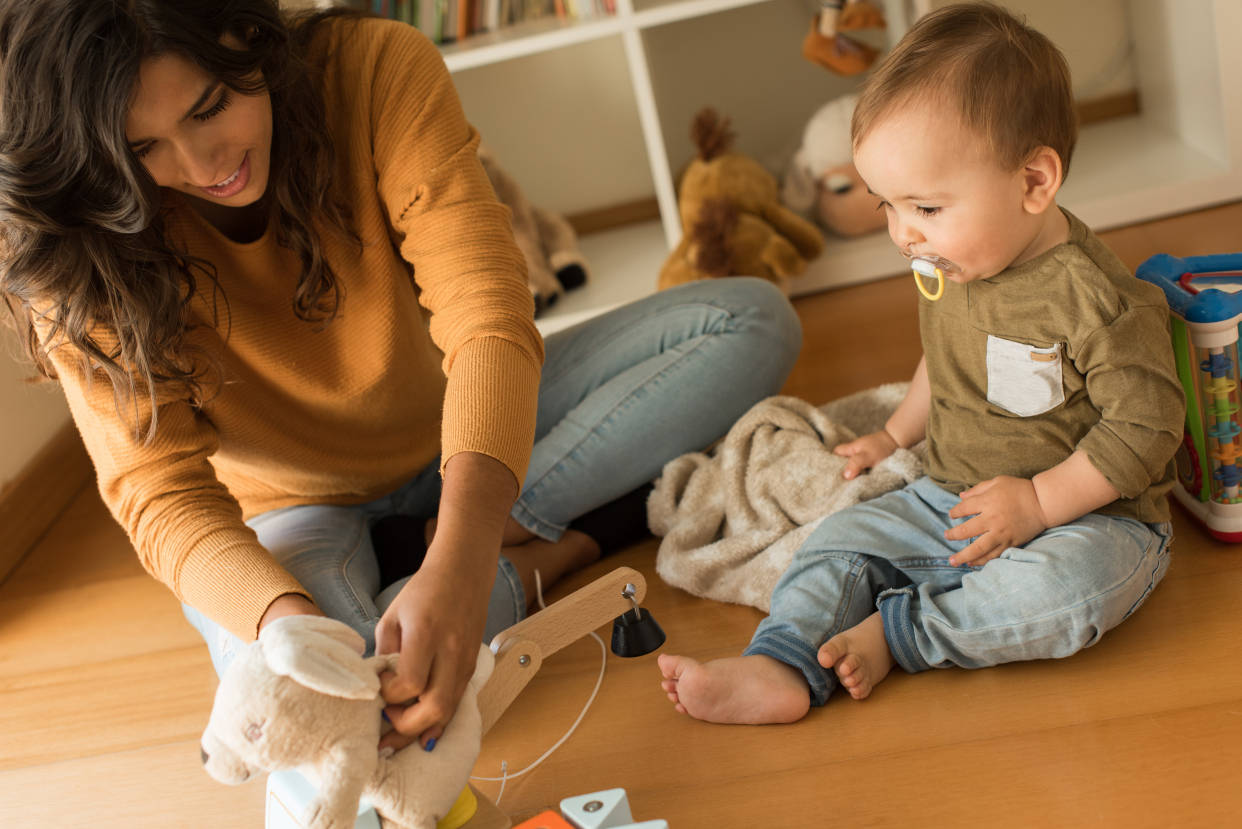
1050	598
620	395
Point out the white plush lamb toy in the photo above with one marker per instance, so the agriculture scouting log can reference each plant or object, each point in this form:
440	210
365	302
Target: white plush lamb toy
821	180
303	697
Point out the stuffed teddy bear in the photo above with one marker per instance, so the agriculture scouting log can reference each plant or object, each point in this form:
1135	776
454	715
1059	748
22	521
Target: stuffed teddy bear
733	222
821	180
548	242
302	696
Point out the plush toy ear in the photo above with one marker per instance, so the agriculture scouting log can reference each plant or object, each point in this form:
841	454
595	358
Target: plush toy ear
322	654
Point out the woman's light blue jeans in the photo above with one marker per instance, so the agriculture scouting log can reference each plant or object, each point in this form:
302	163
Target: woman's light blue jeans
1050	598
620	395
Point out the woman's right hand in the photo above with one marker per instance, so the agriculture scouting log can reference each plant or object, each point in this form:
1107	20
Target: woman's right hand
865	452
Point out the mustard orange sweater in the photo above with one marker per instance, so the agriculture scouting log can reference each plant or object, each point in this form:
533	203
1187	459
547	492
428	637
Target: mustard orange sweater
434	350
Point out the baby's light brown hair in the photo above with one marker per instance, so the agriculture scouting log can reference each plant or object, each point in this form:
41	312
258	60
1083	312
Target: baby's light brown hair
1008	82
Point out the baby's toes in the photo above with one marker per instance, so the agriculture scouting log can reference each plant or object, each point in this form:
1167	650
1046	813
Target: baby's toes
847	670
830	653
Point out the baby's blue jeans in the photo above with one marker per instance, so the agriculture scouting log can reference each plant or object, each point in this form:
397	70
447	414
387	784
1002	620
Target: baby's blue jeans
620	395
1051	597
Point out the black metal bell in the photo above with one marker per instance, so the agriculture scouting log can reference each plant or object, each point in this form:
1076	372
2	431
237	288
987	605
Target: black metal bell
636	633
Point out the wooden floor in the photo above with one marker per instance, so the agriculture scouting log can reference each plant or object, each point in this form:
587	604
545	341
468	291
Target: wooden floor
104	688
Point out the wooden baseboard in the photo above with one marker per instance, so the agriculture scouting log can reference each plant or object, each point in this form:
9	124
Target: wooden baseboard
41	492
606	218
1109	106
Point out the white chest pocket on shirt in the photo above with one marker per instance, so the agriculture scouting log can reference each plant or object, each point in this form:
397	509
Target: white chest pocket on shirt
1024	379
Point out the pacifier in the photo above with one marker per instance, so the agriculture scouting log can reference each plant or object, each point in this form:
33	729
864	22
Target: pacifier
929	266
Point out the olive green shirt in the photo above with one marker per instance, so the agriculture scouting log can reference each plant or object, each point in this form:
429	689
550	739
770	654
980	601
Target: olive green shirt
1066	351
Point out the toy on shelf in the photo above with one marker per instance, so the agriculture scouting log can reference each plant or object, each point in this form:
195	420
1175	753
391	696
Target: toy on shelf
826	45
821	180
732	219
608	809
1206	310
303	699
554	263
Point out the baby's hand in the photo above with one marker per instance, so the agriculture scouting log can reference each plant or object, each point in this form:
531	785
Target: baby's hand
1007	514
865	452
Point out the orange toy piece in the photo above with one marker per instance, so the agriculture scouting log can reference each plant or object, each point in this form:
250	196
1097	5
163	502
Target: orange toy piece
860	15
545	820
824	44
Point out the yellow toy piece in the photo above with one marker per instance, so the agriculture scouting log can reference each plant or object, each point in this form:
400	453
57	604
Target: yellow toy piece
465	807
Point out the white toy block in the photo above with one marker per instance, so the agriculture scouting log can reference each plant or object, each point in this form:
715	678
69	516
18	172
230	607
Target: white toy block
288	795
598	810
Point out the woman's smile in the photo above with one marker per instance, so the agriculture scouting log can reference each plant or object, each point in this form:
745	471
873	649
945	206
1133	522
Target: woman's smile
232	185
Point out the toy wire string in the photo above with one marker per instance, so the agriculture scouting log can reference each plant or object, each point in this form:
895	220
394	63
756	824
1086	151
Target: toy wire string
505	777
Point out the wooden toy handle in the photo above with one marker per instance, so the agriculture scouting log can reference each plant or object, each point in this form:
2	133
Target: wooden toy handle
521	649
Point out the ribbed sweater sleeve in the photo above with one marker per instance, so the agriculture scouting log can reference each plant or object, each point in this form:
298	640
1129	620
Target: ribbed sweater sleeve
456	235
185	525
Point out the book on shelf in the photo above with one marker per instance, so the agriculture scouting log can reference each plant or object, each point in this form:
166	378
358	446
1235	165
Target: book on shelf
446	21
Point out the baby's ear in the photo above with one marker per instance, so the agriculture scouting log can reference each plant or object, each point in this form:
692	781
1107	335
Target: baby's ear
1042	175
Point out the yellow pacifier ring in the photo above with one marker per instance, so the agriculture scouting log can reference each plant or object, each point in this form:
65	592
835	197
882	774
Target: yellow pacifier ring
921	266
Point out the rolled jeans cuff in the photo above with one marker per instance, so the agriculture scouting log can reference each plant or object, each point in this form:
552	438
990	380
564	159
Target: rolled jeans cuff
894	607
527	518
787	648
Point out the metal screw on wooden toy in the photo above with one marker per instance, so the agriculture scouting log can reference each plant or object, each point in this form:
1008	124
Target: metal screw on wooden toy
636	634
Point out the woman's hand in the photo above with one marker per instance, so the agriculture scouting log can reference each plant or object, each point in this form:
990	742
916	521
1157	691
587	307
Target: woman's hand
865	452
435	624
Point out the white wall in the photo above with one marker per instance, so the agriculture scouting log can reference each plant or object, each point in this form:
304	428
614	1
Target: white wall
30	413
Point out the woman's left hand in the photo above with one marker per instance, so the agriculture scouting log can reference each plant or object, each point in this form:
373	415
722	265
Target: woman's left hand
435	625
1007	514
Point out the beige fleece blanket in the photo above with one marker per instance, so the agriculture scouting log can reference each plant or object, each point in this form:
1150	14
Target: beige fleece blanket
731	519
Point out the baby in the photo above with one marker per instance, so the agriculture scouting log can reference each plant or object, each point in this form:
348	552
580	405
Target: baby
1047	394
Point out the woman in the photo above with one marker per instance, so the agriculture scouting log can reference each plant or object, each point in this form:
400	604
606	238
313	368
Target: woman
264	263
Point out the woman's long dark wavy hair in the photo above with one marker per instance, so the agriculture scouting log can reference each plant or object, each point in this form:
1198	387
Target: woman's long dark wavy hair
83	249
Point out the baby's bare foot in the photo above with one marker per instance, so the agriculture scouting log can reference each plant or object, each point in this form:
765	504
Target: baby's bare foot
859	656
751	690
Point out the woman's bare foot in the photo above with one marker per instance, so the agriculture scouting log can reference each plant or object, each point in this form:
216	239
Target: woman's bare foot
514	533
553	560
859	656
752	690
528	553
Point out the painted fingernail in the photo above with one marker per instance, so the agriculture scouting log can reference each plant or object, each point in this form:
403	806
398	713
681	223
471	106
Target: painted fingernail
384	714
430	744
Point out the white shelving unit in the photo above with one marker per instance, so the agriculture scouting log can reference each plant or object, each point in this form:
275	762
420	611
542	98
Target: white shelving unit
1182	152
628	23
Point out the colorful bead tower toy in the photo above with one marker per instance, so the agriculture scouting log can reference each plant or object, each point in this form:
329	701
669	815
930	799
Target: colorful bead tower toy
1205	301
